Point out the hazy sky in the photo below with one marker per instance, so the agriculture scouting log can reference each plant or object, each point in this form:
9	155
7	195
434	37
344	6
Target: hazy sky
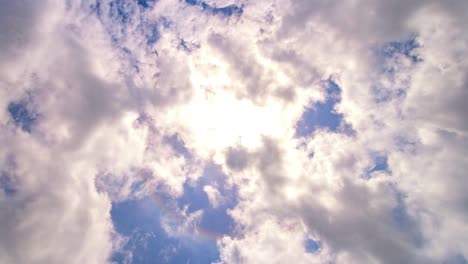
234	131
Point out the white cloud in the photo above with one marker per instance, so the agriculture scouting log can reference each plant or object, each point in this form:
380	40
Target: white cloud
214	196
106	100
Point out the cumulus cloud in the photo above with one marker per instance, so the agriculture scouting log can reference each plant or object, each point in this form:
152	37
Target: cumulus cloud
338	128
214	195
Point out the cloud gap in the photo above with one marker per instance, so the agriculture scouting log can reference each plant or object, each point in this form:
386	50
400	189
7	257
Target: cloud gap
215	218
22	115
322	115
379	165
311	246
140	221
228	11
407	48
395	59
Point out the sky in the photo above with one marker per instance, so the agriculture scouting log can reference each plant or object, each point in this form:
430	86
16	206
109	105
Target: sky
234	131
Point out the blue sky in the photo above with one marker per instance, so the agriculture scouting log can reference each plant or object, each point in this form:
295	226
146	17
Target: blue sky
322	114
141	217
140	221
21	115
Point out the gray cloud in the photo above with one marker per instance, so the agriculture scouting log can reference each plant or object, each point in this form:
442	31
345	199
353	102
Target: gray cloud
18	24
237	158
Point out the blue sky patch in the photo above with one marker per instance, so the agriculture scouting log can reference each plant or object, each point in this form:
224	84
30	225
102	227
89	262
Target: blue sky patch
146	3
406	48
215	221
127	20
229	10
322	114
191	2
389	59
311	246
121	10
140	221
22	116
380	164
125	12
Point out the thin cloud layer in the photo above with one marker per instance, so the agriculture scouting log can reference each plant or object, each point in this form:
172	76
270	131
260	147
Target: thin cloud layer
255	131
